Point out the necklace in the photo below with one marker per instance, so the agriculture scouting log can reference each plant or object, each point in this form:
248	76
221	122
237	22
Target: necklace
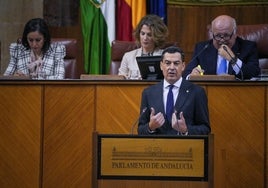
147	54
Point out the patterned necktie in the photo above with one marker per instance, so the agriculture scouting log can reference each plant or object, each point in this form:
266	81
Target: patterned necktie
170	103
223	67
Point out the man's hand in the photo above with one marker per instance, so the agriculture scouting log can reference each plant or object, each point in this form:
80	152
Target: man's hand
197	71
156	120
179	124
222	52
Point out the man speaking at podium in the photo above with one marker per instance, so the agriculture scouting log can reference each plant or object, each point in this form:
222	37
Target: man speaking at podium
174	106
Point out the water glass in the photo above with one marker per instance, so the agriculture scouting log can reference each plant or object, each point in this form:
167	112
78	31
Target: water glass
264	74
134	75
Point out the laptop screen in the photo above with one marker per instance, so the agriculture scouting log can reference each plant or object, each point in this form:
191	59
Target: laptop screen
149	67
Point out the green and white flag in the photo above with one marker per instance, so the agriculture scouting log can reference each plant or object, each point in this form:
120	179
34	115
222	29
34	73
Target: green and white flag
98	29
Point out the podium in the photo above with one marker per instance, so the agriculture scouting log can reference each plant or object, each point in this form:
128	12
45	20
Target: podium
132	161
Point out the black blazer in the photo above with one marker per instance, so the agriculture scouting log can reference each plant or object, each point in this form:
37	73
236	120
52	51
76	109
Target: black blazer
192	101
245	50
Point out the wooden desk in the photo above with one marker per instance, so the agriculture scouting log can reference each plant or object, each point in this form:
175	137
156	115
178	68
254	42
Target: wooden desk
46	129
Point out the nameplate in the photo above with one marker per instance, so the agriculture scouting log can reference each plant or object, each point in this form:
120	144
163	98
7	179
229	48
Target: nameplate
136	157
212	77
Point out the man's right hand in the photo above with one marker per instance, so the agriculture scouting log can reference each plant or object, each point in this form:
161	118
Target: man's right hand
197	71
156	120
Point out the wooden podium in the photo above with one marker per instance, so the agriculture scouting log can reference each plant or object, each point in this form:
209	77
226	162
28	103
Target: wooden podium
131	161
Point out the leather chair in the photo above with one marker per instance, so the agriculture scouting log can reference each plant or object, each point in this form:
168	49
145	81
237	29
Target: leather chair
119	48
257	33
0	52
70	61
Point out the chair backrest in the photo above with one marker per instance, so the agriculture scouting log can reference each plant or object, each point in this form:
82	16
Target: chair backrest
70	60
119	48
0	52
257	33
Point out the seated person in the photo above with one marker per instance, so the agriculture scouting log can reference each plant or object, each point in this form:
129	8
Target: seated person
151	34
174	106
239	57
36	54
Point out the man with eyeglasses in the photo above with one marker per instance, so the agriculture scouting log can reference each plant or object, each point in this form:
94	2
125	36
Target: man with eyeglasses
225	53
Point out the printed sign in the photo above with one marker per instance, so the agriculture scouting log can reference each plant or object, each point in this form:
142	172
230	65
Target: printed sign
153	157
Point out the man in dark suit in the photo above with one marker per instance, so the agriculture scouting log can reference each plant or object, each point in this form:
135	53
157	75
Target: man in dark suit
241	56
189	110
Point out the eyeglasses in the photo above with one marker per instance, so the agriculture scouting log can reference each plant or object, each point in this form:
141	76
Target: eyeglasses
224	36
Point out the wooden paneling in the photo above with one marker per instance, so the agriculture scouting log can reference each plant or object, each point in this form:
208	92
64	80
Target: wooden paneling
20	136
237	116
150	183
68	126
46	130
111	102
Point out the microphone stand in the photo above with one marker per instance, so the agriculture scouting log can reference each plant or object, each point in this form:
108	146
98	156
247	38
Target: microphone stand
135	123
200	52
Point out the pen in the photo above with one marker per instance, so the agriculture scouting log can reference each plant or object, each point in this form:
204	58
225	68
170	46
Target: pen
201	73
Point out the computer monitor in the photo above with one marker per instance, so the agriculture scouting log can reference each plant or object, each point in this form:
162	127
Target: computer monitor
149	67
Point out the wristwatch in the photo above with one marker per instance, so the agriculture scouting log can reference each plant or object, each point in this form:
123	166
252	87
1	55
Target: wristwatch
233	60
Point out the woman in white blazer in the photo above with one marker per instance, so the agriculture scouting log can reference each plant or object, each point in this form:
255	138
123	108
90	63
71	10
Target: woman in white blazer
35	55
150	34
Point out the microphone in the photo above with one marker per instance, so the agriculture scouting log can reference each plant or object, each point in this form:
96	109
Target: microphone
17	48
17	51
233	61
137	120
19	41
200	52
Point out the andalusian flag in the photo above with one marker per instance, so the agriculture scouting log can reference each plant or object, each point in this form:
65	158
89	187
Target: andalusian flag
128	15
97	35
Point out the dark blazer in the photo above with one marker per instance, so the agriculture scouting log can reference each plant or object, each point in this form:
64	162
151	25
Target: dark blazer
245	50
192	101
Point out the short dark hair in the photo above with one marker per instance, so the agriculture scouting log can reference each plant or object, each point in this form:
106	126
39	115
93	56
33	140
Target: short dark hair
172	50
39	25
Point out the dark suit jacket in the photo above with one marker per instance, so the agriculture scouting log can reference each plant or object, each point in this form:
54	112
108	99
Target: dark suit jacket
245	50
192	101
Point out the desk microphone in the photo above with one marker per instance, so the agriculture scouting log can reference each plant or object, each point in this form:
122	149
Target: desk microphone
200	52
137	120
234	62
17	48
